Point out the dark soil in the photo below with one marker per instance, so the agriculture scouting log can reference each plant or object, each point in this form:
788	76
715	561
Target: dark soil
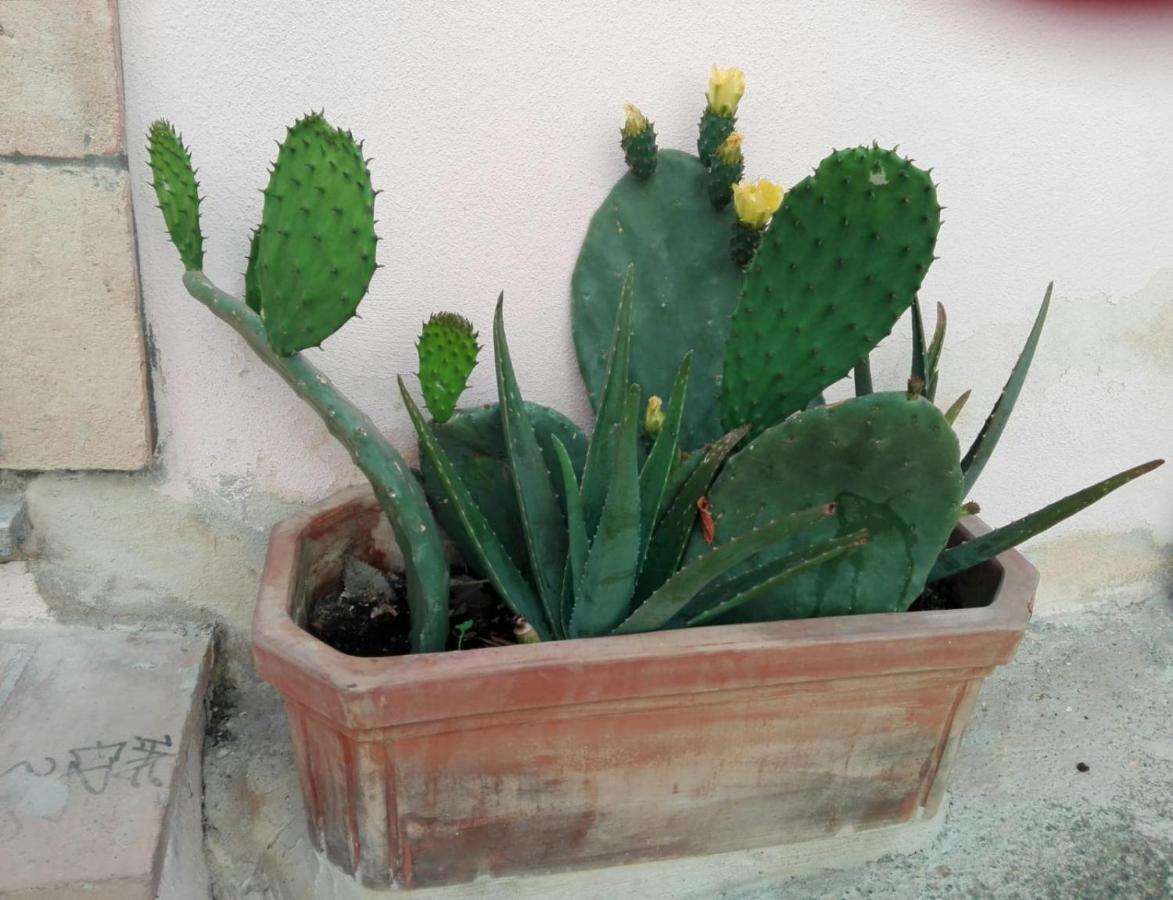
476	618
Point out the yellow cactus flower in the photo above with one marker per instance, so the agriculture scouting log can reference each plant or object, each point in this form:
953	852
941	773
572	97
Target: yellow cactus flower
654	417
756	202
730	150
725	89
637	122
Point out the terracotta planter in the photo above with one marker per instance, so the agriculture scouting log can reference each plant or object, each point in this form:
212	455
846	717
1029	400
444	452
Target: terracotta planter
439	768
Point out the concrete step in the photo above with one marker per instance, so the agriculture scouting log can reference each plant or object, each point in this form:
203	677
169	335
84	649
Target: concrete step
100	742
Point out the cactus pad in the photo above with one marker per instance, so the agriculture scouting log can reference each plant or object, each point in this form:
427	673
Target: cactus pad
316	251
892	466
178	192
841	262
686	287
475	444
448	353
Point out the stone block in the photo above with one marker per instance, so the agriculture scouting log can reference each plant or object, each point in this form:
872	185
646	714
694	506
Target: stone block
72	360
59	65
14	522
100	740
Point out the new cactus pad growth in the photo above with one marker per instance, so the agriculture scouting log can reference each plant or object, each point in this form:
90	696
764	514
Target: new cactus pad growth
447	353
177	190
725	170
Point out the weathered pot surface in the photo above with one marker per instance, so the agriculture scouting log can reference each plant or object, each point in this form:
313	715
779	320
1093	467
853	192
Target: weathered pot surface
439	768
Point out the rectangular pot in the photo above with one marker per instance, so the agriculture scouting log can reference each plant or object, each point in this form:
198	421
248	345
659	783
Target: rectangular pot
439	768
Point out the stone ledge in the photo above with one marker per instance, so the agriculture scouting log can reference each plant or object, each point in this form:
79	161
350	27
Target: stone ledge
100	740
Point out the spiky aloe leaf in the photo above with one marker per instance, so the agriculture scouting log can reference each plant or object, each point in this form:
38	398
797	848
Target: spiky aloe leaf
862	374
609	577
919	350
579	544
316	251
541	516
177	191
596	475
971	553
676	593
956	407
490	557
672	533
933	354
983	445
653	478
447	351
771	576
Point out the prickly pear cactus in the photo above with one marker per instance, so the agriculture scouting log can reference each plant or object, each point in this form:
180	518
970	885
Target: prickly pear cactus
448	353
316	247
892	465
841	262
686	287
475	443
178	192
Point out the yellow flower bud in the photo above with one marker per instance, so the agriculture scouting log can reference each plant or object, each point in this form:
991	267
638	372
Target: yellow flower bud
654	417
756	202
730	151
725	89
637	122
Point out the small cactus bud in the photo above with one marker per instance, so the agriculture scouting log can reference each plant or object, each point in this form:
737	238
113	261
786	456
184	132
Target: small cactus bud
654	417
725	170
970	509
756	202
726	88
730	150
637	137
636	123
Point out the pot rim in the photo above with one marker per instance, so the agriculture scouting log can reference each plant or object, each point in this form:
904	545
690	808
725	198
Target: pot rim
397	689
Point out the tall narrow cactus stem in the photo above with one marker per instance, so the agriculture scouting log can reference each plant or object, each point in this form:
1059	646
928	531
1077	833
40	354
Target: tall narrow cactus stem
398	492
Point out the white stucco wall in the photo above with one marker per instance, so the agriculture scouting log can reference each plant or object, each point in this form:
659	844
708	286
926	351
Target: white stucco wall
493	129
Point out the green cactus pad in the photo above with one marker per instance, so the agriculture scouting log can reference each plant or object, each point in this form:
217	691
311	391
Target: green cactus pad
178	192
892	466
686	287
840	263
252	286
475	444
316	251
447	353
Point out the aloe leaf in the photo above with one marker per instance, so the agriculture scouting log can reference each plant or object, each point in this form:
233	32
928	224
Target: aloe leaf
542	521
919	353
492	560
780	570
956	407
576	529
671	535
608	580
653	478
675	593
933	357
596	474
682	470
983	445
980	549
863	377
